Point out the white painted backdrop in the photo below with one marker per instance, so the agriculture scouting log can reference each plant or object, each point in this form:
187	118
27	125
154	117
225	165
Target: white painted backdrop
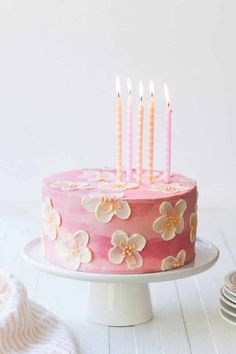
58	62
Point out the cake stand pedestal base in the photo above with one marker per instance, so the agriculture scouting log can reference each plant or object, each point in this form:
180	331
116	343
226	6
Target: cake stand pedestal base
122	299
119	304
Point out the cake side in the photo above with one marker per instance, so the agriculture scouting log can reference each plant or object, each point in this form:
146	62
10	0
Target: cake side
93	224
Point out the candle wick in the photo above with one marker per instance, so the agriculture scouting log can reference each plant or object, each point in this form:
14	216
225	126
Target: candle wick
152	95
130	92
141	98
118	94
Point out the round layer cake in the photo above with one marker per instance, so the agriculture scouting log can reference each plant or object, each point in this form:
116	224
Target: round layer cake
92	223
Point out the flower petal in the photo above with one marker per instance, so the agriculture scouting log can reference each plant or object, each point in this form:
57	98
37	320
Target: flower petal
132	185
90	202
85	255
47	206
52	232
46	227
55	217
61	249
135	261
169	233
193	234
180	207
166	208
115	255
181	257
180	225
167	263
138	240
108	176
72	262
116	195
124	211
103	214
81	237
118	237
159	224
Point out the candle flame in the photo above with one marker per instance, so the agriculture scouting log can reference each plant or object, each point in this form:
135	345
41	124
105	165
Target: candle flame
129	86
141	90
118	86
167	96
151	87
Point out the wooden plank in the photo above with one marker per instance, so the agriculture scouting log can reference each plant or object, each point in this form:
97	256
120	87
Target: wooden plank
94	339
209	283
148	335
174	337
122	340
196	323
226	221
20	230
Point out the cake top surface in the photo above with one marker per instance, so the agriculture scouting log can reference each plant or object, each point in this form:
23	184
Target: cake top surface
82	182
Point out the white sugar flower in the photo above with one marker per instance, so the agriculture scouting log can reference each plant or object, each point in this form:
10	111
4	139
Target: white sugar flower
171	262
98	176
51	219
72	248
193	225
106	206
168	188
70	185
127	248
171	221
118	186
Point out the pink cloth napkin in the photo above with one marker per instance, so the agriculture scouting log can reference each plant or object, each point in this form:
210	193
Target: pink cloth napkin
26	327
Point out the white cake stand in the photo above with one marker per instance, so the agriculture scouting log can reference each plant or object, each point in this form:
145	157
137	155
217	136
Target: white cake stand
122	299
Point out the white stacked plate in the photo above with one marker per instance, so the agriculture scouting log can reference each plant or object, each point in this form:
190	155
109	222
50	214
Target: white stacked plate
228	298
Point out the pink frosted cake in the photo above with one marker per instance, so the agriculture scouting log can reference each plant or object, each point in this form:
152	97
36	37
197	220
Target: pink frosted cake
91	223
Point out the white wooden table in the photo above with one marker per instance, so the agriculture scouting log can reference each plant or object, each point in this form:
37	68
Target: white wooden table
186	312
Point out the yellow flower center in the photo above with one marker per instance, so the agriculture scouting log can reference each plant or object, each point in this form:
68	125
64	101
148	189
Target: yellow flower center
169	189
172	220
102	178
176	264
112	201
75	249
127	251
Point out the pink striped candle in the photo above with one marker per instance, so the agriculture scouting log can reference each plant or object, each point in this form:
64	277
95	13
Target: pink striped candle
129	129
118	133
139	168
151	132
168	135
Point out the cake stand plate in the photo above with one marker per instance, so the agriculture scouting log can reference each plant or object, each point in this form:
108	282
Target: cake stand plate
122	299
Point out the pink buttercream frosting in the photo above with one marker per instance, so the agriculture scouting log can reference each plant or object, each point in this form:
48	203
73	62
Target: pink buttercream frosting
84	237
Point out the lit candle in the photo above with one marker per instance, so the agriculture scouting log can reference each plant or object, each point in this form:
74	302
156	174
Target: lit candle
168	135
151	132
140	136
118	133
129	129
